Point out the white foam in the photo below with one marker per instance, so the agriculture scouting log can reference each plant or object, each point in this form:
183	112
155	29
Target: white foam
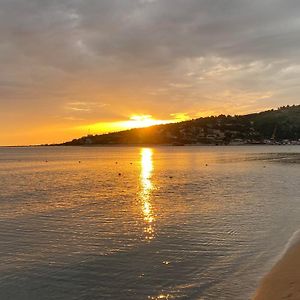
293	241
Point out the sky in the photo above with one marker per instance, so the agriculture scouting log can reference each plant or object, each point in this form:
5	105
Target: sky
76	67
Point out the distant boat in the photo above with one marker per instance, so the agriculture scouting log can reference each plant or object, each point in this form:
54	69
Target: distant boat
177	144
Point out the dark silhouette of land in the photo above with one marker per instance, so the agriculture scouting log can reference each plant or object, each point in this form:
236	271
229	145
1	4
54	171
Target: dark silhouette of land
280	126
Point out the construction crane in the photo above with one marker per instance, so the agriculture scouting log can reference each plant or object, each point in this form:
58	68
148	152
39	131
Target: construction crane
274	133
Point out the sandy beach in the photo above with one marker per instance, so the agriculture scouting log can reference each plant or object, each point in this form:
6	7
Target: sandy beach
283	282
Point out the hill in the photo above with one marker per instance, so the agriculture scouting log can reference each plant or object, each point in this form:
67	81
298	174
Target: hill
269	127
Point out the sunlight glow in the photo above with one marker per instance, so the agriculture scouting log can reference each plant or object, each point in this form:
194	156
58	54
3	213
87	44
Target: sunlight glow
140	121
135	121
145	193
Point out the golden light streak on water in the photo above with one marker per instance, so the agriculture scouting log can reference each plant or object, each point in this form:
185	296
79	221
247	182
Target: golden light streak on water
146	190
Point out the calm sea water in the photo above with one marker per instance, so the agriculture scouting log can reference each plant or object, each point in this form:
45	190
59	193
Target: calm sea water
144	223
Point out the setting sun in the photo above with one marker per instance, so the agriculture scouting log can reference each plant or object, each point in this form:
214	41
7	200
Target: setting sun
134	121
139	121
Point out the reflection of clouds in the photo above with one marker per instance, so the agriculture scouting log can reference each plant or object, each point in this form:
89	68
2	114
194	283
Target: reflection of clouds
145	193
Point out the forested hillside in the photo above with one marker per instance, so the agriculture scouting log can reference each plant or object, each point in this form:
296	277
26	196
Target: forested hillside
273	126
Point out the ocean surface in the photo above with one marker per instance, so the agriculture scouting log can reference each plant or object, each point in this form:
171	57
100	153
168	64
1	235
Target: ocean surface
144	223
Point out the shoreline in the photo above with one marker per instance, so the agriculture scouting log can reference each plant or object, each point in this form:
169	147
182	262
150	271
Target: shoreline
283	281
149	145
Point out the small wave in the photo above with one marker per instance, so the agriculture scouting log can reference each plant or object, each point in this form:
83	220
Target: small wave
293	241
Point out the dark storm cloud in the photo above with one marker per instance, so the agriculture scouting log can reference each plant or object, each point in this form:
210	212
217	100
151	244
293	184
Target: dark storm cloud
166	55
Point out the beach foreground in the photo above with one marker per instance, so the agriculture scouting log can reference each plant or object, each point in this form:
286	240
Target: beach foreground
283	282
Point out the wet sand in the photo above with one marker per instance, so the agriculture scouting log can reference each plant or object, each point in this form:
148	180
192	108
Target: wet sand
283	282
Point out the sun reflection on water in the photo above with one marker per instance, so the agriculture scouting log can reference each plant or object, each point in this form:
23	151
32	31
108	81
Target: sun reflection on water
145	193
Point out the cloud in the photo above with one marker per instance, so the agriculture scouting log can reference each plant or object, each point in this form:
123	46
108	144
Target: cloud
84	106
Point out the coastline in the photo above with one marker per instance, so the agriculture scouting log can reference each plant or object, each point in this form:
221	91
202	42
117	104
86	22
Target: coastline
283	281
148	145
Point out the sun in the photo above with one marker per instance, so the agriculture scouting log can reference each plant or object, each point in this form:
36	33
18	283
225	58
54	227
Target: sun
134	121
140	121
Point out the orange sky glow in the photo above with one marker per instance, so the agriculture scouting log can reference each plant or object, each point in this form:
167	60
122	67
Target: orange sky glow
72	68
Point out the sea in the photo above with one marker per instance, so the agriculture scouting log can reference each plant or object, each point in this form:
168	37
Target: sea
140	223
